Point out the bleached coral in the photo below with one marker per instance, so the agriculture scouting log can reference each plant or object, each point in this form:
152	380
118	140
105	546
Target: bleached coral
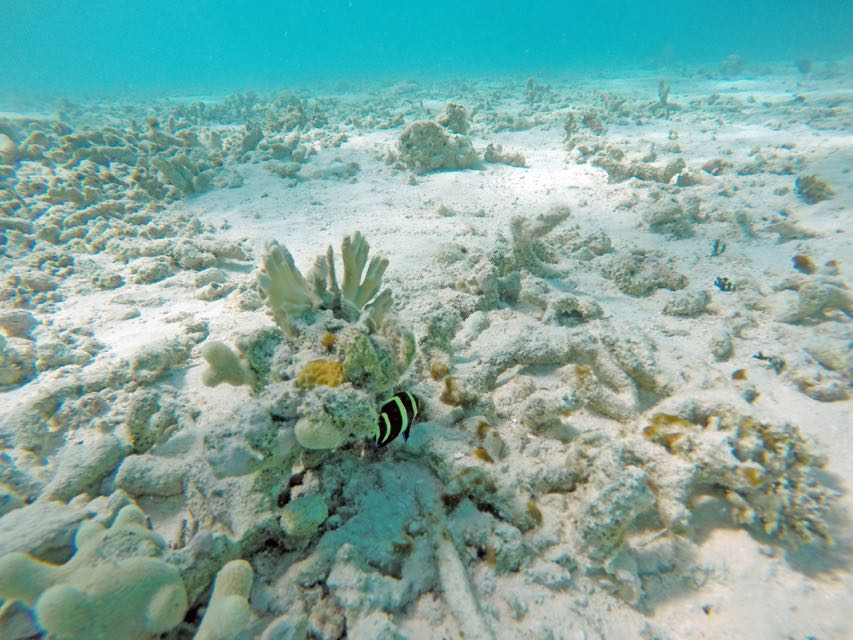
335	396
224	365
228	611
290	296
115	586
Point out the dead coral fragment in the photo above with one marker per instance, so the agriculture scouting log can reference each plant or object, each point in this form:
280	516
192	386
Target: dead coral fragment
329	373
639	272
528	249
425	146
812	189
455	118
495	153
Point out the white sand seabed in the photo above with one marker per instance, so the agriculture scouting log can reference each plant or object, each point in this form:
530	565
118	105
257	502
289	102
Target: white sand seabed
738	585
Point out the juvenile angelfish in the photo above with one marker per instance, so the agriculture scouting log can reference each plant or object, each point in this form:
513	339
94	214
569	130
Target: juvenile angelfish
396	416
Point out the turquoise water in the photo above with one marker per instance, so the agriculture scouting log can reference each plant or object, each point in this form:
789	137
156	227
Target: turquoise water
159	45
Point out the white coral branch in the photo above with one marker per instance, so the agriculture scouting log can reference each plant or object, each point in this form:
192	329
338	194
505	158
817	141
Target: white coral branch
284	288
289	295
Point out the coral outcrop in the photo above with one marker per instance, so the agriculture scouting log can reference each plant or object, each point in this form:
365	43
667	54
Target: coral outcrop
426	146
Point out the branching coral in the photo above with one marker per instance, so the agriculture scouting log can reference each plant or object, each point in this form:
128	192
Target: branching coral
528	250
285	290
290	296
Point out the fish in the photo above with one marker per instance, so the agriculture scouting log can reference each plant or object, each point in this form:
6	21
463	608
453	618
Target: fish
397	416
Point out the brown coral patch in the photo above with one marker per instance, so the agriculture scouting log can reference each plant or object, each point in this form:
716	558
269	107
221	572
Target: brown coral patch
438	370
483	428
534	512
457	394
804	264
482	454
667	430
328	341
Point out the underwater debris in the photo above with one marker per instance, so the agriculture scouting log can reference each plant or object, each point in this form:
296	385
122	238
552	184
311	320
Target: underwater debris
724	284
718	248
774	362
812	189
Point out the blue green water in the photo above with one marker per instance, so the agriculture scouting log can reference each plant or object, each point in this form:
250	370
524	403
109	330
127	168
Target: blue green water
79	47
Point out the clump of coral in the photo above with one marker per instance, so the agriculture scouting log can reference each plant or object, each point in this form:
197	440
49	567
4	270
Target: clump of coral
812	189
426	146
290	296
119	584
765	471
333	398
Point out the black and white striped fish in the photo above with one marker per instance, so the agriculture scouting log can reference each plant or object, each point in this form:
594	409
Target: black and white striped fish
396	417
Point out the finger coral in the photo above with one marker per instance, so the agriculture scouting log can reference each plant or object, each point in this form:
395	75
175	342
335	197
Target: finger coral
113	587
290	296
